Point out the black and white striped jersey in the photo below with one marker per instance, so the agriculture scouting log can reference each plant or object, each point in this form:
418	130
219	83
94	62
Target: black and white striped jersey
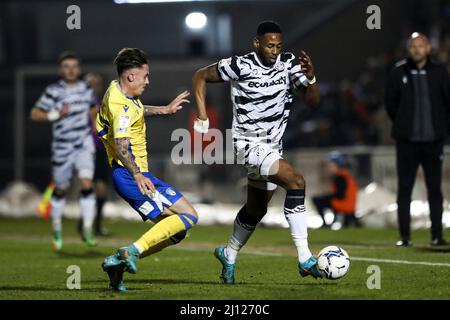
71	131
261	95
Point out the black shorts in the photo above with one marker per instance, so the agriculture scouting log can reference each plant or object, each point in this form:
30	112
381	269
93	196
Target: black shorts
102	169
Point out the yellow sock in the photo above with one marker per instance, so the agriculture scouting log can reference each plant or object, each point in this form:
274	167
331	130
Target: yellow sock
164	244
163	230
156	248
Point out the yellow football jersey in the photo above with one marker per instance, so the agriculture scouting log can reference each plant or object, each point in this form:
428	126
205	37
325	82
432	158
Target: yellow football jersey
122	116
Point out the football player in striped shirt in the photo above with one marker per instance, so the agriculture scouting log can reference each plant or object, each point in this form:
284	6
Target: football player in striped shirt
68	105
263	83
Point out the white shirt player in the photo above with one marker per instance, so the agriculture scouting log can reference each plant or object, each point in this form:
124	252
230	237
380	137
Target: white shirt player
72	132
261	95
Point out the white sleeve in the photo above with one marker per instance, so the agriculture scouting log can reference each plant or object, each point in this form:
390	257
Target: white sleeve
229	69
47	100
296	77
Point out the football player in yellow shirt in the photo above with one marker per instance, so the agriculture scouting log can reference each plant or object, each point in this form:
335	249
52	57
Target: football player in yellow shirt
120	124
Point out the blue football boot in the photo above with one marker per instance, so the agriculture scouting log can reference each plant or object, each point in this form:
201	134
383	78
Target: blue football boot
309	267
115	269
227	275
129	255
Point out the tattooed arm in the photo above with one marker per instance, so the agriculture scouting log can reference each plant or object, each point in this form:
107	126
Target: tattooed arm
154	110
171	108
122	150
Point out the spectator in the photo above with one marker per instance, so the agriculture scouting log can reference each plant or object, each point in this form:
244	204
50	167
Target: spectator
341	198
417	102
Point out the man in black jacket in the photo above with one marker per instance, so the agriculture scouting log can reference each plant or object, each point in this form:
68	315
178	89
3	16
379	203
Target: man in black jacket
417	101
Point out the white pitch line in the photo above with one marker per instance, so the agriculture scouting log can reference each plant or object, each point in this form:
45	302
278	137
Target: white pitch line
275	254
423	263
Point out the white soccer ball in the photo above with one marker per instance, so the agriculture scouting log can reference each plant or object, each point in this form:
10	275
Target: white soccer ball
333	262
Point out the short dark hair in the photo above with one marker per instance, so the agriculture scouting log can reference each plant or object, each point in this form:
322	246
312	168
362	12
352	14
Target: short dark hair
128	58
67	55
268	27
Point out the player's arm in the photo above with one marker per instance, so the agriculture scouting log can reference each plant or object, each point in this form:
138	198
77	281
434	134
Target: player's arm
392	95
201	77
310	93
122	148
173	107
40	115
94	107
121	130
93	116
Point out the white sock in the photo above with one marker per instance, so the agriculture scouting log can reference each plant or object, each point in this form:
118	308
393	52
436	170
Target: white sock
57	212
299	233
240	236
295	212
138	247
88	208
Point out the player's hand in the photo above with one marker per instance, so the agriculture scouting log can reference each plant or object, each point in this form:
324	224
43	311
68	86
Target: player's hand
64	110
55	115
201	126
144	184
307	67
176	104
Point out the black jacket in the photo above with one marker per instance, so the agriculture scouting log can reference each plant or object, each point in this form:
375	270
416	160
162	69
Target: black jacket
399	97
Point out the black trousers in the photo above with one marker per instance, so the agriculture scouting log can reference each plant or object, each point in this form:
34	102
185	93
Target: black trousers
409	156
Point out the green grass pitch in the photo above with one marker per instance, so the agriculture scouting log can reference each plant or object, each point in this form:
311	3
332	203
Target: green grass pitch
266	267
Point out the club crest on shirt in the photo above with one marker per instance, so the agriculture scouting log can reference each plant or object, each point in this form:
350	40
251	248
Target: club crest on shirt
224	61
170	192
280	66
124	121
405	79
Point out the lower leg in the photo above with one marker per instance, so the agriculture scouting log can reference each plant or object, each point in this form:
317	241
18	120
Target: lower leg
244	225
348	220
155	239
294	206
99	215
170	228
403	215
436	210
164	230
101	194
247	219
321	203
407	163
58	202
432	166
177	238
295	212
88	208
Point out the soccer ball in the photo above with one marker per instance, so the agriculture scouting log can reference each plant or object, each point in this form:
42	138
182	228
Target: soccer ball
333	262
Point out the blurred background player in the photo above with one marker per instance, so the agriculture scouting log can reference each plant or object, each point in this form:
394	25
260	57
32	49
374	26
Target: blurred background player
68	105
101	175
121	125
417	101
342	197
263	83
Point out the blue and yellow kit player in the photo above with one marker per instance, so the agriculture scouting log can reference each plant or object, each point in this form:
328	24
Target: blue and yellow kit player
120	124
